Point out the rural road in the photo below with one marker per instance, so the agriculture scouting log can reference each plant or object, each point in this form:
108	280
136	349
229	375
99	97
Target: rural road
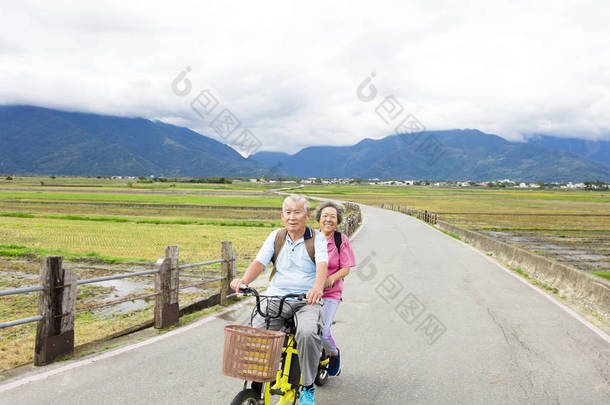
425	320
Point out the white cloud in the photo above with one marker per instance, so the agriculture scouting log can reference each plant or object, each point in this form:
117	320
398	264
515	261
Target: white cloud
289	70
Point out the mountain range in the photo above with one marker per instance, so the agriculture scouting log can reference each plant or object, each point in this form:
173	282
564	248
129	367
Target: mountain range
36	140
452	155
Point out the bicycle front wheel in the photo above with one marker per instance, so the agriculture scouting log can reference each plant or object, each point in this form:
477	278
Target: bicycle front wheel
246	397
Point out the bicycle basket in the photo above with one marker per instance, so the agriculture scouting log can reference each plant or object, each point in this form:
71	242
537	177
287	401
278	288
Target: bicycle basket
251	354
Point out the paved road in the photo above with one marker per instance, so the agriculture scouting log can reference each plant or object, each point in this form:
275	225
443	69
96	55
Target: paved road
425	320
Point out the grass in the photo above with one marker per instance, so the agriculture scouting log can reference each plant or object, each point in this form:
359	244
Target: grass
518	270
143	198
108	221
538	283
604	274
24	251
450	234
114	241
16	215
69	225
138	220
553	223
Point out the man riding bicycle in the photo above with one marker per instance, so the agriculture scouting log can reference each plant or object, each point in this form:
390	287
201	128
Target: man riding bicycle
295	273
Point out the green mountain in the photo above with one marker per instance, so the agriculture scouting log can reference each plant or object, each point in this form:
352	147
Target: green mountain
452	155
36	140
598	150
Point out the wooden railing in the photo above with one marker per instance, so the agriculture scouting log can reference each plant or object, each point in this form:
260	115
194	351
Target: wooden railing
424	215
58	291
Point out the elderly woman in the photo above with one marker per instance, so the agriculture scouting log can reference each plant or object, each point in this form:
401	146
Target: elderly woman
340	259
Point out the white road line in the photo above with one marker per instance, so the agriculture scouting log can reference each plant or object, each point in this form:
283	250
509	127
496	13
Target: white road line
571	312
106	355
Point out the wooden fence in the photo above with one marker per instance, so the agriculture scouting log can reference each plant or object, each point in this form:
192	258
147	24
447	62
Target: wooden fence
424	215
57	298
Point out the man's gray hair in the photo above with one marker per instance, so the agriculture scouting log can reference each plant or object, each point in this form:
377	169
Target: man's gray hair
299	199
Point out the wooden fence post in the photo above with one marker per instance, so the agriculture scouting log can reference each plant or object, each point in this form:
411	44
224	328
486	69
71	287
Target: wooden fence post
171	252
225	273
56	303
166	300
233	272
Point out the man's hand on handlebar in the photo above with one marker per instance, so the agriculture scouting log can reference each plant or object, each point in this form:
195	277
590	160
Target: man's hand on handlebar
236	283
313	296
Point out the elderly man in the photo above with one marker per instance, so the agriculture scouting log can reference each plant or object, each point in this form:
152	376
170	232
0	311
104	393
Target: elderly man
296	273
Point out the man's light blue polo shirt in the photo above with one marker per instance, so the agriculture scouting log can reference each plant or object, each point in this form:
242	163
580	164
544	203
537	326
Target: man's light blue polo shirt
295	272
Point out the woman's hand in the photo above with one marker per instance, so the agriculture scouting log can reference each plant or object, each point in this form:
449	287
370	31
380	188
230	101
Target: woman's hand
330	281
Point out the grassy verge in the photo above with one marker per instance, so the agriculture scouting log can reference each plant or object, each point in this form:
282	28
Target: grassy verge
24	251
539	284
450	234
604	274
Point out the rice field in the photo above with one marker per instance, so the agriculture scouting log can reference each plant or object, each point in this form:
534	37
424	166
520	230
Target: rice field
101	222
128	224
569	226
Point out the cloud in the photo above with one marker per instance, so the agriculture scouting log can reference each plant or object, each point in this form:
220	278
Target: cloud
289	71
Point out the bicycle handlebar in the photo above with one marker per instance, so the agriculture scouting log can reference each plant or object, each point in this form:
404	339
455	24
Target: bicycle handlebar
251	291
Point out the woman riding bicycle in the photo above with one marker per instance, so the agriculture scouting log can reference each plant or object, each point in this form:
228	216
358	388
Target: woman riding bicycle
295	273
340	259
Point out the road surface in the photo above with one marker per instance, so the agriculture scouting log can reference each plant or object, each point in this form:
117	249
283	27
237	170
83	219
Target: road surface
425	320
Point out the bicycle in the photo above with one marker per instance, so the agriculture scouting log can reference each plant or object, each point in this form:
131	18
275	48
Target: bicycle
288	377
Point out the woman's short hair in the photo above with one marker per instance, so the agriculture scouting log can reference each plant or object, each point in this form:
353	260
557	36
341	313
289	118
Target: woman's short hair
326	205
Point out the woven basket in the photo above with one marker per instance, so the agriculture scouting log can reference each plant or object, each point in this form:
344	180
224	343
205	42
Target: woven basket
251	354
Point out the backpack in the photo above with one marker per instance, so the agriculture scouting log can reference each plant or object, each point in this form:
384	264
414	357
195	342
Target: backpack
309	238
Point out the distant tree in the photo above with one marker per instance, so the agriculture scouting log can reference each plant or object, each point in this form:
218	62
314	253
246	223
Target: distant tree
53	177
9	178
42	183
129	184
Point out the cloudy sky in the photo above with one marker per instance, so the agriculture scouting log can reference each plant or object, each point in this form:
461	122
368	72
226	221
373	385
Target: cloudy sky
289	71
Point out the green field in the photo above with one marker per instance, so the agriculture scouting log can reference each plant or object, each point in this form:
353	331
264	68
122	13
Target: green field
103	222
572	227
99	221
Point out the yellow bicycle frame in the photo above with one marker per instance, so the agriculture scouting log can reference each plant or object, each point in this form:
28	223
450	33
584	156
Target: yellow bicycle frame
282	379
